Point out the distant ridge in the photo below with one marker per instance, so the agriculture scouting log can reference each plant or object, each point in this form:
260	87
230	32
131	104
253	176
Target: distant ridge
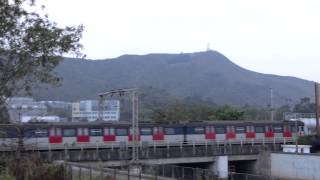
207	74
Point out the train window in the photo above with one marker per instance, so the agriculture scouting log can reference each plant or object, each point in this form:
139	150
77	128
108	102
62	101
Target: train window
8	133
259	129
95	132
108	131
293	129
240	129
230	129
131	131
278	129
111	131
58	132
145	131
69	133
301	128
83	132
209	129
268	128
169	131
86	131
29	133
178	130
220	130
250	128
157	130
41	133
52	132
122	132
199	130
287	128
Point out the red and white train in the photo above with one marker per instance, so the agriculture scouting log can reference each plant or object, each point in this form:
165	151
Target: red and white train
106	133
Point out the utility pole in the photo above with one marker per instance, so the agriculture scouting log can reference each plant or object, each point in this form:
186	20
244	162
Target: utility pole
135	128
271	105
135	119
317	100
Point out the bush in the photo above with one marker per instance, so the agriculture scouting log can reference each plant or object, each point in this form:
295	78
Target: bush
6	177
306	140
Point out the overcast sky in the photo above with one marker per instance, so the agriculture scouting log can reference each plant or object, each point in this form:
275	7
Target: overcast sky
270	36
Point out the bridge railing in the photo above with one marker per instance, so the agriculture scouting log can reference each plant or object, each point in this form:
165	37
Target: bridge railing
124	154
7	145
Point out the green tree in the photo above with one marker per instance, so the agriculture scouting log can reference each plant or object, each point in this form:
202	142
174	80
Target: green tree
31	46
305	106
227	113
181	111
279	115
255	113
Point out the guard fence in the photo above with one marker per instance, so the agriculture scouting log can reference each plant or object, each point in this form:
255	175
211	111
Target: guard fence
245	176
75	171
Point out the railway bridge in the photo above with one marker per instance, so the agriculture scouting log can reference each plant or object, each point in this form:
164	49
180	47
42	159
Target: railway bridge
217	155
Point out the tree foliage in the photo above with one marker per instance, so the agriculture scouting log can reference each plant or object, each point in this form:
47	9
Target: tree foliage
305	106
184	111
227	113
31	46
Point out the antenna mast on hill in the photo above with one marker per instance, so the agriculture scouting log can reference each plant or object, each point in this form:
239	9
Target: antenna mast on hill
208	46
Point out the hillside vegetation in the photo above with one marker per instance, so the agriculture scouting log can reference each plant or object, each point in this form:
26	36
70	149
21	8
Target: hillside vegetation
209	76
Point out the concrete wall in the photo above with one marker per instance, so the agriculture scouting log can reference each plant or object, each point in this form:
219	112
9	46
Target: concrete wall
220	167
263	163
295	166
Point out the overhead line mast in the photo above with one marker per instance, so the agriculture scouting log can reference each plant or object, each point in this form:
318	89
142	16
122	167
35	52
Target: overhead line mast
135	117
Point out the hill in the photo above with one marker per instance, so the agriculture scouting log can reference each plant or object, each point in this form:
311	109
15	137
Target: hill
207	75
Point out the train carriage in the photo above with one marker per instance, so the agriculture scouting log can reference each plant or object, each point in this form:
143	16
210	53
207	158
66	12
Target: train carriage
174	133
53	134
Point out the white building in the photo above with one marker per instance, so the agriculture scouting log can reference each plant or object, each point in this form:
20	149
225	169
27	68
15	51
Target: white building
26	119
20	107
88	110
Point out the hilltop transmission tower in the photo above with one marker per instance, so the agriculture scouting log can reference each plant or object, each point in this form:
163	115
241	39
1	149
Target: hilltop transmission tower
208	46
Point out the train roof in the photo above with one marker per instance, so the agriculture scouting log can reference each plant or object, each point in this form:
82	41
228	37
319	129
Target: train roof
145	124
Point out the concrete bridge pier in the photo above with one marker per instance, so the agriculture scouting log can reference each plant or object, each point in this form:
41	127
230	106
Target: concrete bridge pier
220	167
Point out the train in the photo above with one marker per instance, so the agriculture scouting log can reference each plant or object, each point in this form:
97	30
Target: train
86	133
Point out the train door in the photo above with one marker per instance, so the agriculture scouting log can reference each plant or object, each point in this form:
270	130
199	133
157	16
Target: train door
83	135
240	132
250	132
210	133
158	134
259	132
146	134
287	131
130	137
231	134
55	135
301	131
268	131
278	131
109	134
122	135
